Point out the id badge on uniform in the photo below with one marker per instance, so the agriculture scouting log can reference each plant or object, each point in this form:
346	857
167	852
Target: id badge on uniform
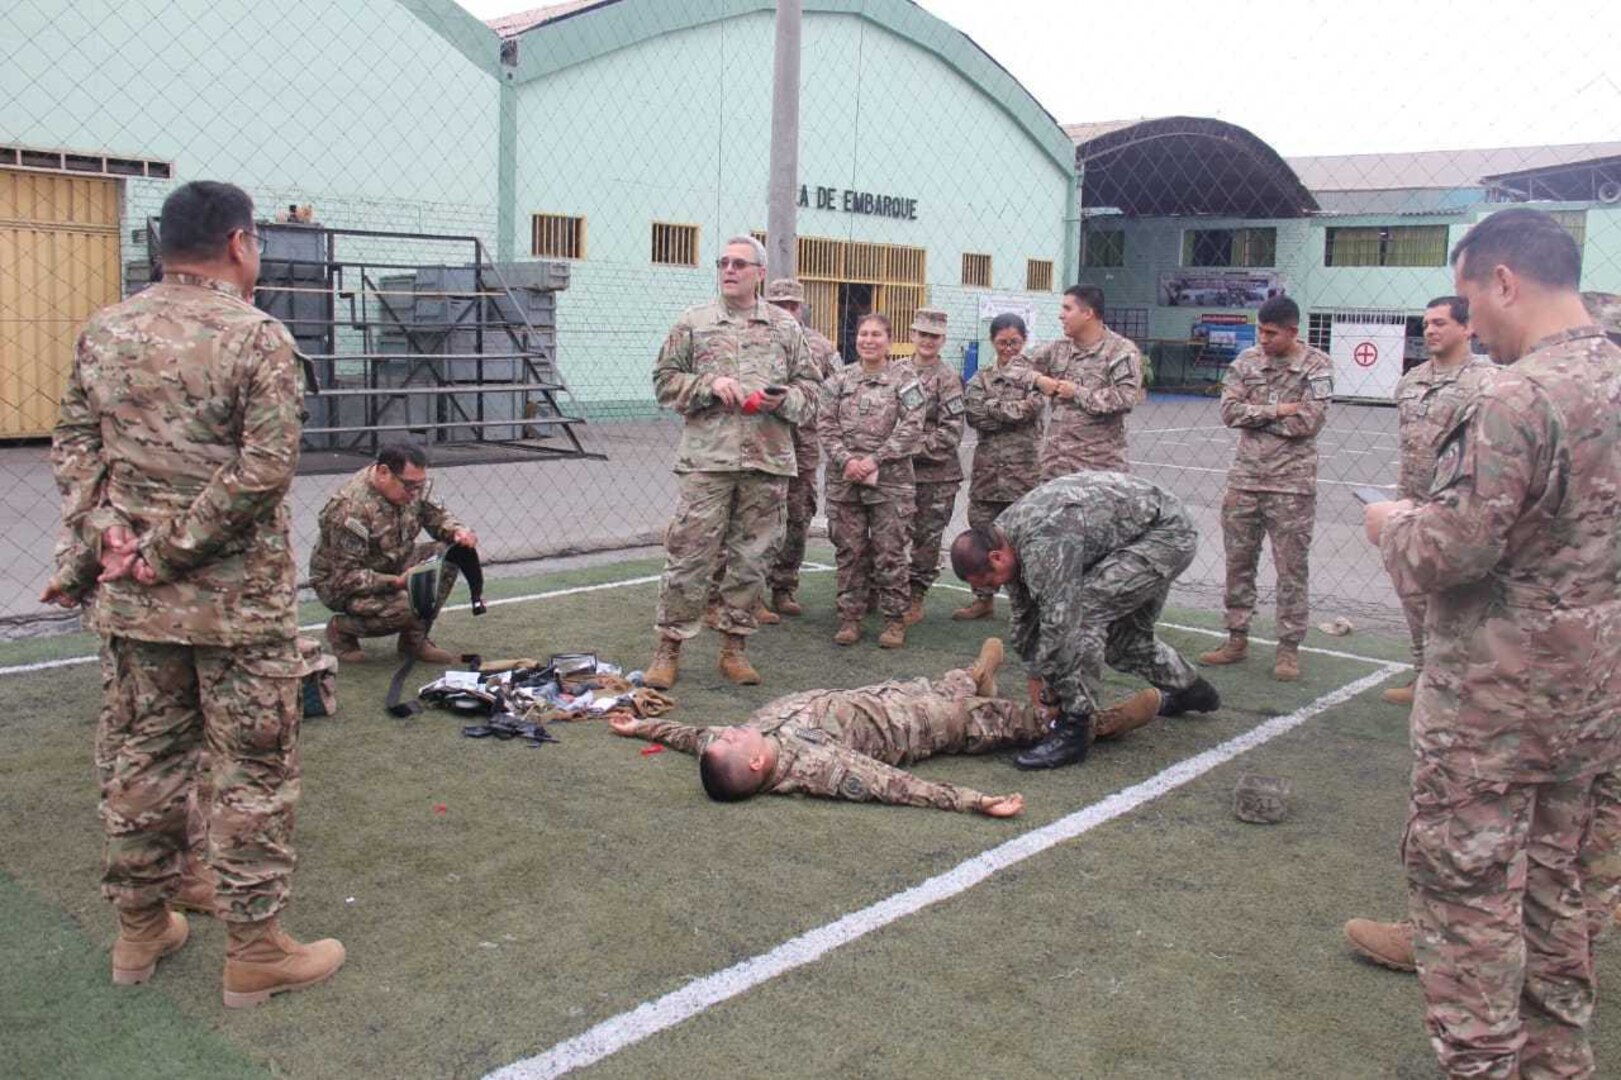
1272	397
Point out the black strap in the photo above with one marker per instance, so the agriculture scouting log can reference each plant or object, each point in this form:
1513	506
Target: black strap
404	710
465	559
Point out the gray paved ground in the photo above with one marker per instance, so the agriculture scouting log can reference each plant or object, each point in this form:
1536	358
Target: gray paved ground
528	509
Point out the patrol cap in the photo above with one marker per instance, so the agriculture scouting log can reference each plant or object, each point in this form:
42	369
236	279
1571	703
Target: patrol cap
785	290
1605	308
930	321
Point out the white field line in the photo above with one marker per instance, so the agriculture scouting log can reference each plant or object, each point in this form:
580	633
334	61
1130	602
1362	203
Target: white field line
614	1034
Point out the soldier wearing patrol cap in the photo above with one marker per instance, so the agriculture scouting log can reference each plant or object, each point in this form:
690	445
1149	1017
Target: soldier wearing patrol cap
936	465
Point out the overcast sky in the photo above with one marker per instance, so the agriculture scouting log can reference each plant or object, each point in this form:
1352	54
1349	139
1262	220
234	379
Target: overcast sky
1308	76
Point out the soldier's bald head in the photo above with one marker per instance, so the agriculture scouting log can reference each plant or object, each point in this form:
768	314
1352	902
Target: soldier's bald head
725	771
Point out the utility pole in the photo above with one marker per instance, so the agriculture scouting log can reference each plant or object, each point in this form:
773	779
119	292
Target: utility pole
783	191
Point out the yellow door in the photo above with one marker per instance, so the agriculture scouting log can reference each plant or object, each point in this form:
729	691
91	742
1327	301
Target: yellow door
58	263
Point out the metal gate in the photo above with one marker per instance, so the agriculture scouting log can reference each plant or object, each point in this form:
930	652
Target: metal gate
59	251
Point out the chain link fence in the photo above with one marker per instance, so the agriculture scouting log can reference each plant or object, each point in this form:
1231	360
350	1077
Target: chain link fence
482	234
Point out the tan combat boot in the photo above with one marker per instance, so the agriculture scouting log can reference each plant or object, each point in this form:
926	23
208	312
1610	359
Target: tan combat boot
340	634
785	604
1286	663
145	936
765	616
414	643
665	667
983	607
734	664
985	665
261	960
849	632
1129	715
1401	695
1237	647
1388	944
914	614
894	634
196	888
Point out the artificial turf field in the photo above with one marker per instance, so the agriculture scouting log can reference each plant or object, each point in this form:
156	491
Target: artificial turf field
563	887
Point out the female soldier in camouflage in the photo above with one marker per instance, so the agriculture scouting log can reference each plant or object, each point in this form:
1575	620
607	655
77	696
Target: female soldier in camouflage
1007	461
871	421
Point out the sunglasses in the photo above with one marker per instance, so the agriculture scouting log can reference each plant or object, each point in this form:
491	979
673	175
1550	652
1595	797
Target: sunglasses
724	263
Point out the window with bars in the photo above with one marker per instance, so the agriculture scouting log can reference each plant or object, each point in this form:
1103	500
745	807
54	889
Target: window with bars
1320	331
1105	249
1574	222
556	236
1230	247
1386	245
1038	275
1131	322
976	270
675	245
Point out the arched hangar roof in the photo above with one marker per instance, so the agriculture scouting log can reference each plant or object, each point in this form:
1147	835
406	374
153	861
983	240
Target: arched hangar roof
565	34
1184	165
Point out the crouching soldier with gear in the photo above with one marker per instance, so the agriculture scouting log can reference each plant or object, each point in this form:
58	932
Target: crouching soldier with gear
1088	561
368	542
849	744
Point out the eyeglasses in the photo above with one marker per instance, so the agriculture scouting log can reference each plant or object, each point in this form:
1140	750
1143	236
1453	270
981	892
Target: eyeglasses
411	486
724	263
258	239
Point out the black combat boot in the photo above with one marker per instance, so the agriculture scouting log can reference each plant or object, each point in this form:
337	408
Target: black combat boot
1200	697
1071	738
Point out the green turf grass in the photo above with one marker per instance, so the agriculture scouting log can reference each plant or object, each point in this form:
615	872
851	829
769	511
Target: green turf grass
564	885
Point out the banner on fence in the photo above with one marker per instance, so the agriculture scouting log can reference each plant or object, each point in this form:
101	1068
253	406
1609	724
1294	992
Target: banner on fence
1218	288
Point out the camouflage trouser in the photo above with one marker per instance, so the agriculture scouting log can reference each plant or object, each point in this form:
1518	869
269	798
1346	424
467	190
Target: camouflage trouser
932	507
378	614
1121	598
870	542
735	516
1509	886
165	705
993	722
1287	520
981	514
1415	608
784	575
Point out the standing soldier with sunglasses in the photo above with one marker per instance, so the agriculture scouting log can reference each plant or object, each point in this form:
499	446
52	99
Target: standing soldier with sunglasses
741	375
175	447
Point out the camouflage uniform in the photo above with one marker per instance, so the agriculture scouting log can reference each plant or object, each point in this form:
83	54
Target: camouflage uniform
1272	484
366	542
848	744
181	422
875	414
1006	412
733	466
1515	731
784	576
1428	402
1089	431
937	467
1097	552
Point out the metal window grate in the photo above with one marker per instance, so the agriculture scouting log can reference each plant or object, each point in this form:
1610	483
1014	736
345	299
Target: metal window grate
976	270
1105	249
1131	322
27	157
1038	275
556	236
1230	247
1394	245
675	245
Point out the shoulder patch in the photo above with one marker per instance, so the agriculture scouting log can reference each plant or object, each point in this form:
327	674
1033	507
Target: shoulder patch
1120	367
1449	461
355	526
954	405
1322	387
851	787
911	395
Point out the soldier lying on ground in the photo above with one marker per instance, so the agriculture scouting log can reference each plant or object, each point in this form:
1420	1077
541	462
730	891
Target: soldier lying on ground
847	744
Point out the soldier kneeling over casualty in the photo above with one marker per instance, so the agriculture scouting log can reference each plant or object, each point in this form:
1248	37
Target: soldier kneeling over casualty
848	744
368	542
1088	561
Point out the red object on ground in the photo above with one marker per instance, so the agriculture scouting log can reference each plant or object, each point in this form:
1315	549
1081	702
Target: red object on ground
648	751
440	808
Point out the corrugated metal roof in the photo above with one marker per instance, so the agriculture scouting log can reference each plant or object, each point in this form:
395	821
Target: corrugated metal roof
512	25
1436	168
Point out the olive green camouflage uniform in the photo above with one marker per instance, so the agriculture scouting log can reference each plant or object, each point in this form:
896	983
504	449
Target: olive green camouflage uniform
1002	406
733	467
849	744
1509	847
1272	483
879	415
1089	430
181	421
784	576
366	543
937	468
1098	552
1428	402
